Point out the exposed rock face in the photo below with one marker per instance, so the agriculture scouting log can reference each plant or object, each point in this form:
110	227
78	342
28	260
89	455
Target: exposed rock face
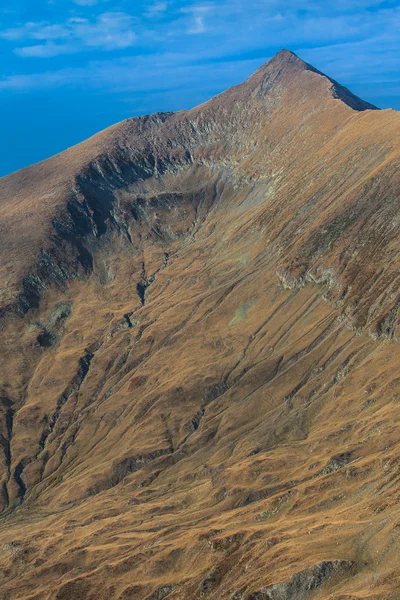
301	585
199	323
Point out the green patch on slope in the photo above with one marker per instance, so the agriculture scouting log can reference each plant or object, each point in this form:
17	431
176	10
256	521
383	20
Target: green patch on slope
240	314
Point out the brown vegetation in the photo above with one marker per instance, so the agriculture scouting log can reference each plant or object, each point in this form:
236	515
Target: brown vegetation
200	389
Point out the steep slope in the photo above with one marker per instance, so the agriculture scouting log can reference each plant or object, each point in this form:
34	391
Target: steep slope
199	322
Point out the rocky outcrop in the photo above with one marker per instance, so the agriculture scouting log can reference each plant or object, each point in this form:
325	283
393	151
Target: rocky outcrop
303	584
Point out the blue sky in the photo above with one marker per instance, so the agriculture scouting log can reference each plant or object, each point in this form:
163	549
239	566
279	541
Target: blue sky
69	68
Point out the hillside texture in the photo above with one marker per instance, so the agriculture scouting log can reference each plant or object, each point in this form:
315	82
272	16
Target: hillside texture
200	366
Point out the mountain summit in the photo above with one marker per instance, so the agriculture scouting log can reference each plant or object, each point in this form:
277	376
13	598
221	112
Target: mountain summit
286	63
199	319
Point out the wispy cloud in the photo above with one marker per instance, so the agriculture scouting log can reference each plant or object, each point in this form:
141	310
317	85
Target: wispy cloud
197	17
156	9
85	2
198	25
249	38
136	75
44	50
108	31
34	81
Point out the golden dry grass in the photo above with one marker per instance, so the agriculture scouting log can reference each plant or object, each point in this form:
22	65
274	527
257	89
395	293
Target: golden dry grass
241	426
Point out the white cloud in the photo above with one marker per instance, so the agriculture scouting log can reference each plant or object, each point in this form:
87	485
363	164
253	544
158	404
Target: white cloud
197	14
87	2
31	81
143	74
109	31
156	9
44	50
198	25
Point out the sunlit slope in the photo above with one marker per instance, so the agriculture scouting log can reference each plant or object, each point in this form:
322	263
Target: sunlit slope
200	390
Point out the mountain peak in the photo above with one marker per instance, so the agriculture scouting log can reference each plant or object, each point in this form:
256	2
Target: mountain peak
283	60
287	63
286	56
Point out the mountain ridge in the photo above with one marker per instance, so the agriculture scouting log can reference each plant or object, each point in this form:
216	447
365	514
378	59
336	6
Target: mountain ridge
283	60
279	57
